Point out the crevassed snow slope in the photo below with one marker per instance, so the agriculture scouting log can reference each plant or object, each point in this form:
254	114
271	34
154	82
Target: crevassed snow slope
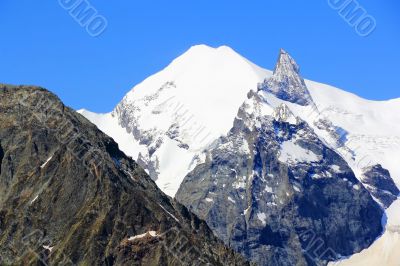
369	130
373	127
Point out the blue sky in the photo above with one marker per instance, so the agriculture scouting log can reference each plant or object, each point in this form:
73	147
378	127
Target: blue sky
42	44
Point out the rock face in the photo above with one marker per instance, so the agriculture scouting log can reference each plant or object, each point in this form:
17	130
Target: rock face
286	82
69	196
380	184
272	189
129	115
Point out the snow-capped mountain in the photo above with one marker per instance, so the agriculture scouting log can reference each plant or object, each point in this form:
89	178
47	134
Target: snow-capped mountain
170	118
171	121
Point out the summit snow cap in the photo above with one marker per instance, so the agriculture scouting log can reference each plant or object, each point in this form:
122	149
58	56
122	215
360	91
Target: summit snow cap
286	82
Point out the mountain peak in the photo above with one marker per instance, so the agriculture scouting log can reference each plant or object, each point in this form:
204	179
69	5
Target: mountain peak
286	63
286	82
204	68
199	47
206	50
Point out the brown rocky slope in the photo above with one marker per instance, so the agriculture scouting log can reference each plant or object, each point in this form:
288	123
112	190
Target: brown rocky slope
69	196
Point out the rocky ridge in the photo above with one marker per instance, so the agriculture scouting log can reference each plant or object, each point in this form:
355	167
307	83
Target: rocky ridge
69	196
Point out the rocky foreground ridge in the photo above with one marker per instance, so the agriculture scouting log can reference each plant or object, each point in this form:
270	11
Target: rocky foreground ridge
69	196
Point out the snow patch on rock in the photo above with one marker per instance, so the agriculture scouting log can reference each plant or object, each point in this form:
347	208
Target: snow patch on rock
294	153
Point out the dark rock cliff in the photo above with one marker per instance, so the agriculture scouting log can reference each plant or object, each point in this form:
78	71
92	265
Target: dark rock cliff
380	184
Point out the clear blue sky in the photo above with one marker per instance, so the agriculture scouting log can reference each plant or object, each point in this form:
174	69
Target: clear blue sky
41	44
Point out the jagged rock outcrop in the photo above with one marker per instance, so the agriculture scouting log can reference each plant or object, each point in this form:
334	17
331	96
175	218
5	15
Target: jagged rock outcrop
272	189
380	184
286	82
68	196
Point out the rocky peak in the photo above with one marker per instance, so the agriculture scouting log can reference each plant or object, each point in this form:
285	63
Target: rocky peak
285	64
379	183
286	83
